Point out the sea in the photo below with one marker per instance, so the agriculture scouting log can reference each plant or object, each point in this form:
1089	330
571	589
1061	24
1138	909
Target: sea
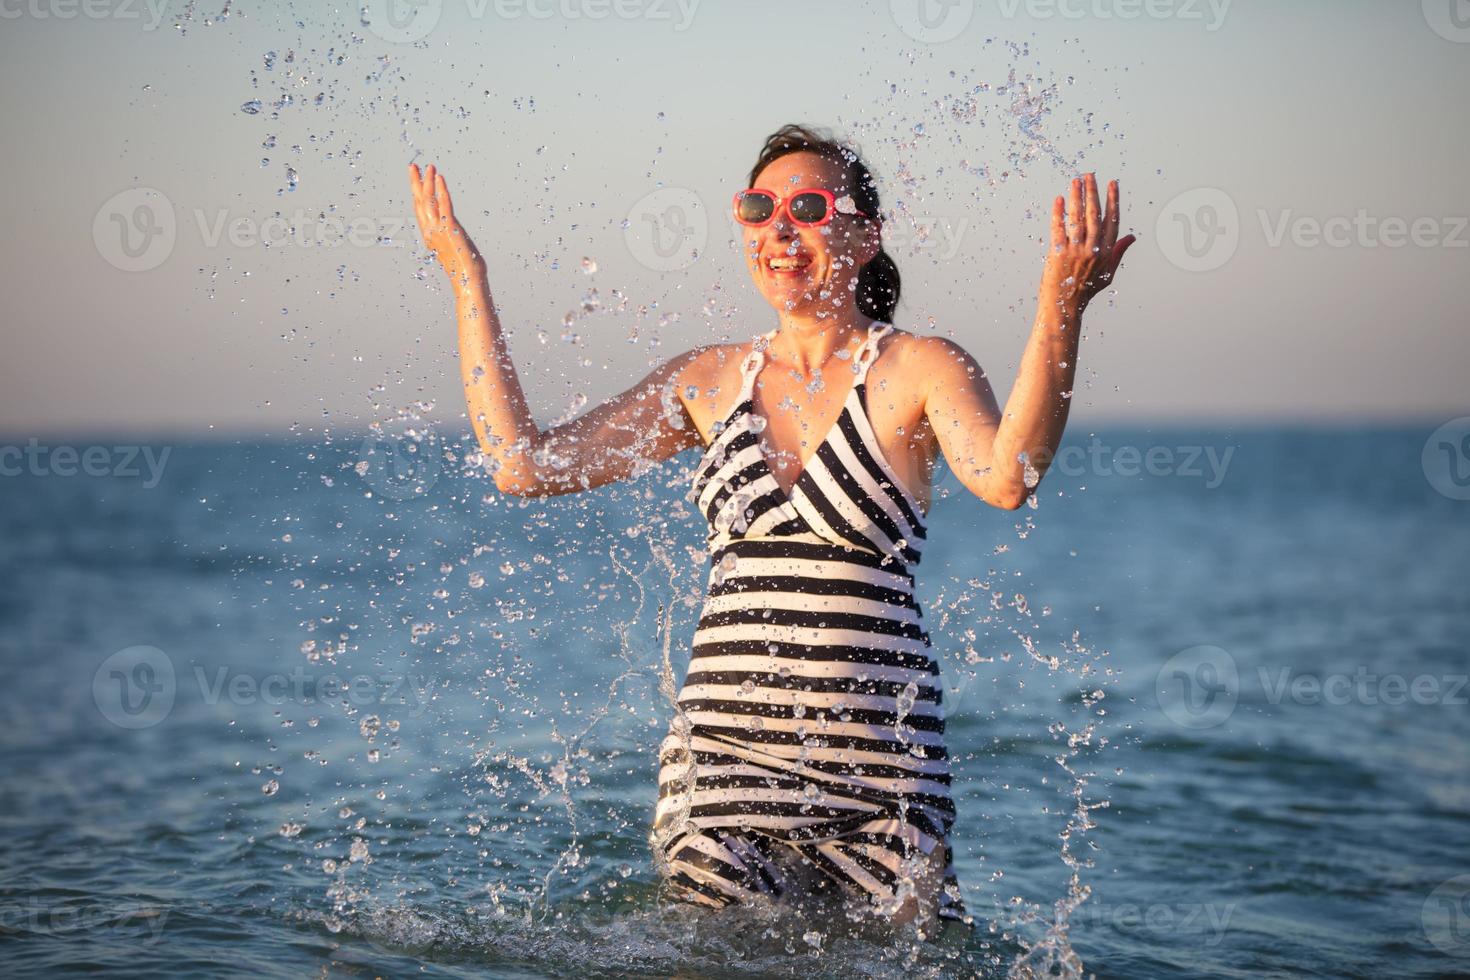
334	707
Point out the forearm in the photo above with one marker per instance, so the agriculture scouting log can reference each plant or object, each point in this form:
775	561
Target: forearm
1035	414
496	402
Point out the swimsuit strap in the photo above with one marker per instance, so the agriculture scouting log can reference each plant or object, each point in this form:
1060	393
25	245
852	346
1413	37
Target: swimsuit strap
863	359
752	364
868	352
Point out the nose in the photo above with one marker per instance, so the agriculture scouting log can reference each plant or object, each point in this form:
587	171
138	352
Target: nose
782	228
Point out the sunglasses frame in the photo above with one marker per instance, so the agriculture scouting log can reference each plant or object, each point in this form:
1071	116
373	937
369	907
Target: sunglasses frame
783	204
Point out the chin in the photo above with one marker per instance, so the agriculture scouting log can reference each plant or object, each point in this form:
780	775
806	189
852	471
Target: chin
791	302
795	298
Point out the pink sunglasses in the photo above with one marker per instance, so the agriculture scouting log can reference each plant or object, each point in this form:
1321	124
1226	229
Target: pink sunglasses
809	207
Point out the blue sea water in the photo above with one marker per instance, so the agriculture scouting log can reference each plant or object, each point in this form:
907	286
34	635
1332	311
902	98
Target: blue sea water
341	709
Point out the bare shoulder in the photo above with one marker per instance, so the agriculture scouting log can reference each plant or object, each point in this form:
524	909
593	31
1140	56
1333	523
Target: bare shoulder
707	380
698	365
709	365
931	357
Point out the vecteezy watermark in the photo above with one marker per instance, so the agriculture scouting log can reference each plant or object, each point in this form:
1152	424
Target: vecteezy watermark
401	21
1450	19
302	228
1363	230
296	686
1446	916
667	229
1362	686
1200	687
1446	459
400	459
136	230
1200	230
1211	13
135	688
408	21
122	462
1172	919
1208	464
37	918
138	687
150	12
937	239
932	21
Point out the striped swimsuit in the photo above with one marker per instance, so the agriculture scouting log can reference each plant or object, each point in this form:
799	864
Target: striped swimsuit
808	751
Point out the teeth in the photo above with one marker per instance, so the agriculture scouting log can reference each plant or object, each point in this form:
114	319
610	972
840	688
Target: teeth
788	262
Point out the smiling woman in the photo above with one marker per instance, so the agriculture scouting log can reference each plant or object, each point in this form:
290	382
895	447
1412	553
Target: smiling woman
807	759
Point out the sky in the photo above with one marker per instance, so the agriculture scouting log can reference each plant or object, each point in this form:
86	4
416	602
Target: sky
211	230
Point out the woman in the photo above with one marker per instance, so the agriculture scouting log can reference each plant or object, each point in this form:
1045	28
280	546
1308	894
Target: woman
808	754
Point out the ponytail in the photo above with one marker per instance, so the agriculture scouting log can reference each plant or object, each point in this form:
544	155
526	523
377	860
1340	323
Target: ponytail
878	288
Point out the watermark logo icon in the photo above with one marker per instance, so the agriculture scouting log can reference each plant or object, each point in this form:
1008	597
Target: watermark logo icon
1198	688
942	476
1446	916
667	229
1450	19
401	21
932	21
135	688
399	460
1446	459
1199	230
135	230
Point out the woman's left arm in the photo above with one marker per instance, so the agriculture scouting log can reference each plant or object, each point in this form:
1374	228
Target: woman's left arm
990	451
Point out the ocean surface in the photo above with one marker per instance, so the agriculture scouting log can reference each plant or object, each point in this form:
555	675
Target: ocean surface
339	709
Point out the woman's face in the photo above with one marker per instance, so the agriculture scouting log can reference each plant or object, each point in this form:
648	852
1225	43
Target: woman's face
809	271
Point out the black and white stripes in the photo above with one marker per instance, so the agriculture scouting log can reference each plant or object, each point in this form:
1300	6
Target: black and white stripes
811	722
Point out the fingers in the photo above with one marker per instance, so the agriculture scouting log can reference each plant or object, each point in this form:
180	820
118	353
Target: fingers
1058	230
1110	220
1115	258
431	202
416	184
1122	247
441	198
1074	213
1092	231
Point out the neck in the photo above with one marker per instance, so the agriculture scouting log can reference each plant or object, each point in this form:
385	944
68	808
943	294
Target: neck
806	343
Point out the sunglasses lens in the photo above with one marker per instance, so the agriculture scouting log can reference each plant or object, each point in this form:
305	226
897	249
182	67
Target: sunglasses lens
809	208
755	207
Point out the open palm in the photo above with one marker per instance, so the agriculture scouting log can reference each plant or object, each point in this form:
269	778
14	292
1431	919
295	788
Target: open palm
443	235
1085	251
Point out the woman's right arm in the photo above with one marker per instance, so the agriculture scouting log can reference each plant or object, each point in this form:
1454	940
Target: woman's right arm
647	423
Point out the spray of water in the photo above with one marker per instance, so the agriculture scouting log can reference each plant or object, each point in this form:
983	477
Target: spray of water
499	800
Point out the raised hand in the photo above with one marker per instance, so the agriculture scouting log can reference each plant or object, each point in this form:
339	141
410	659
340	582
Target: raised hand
443	235
1085	251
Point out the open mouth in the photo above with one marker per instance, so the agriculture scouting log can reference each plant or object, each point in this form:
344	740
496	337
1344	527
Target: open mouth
787	264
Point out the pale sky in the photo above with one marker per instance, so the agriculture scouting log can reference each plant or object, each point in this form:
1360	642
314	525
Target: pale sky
1295	172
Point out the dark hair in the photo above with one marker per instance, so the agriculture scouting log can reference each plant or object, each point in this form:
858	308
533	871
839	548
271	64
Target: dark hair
878	281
